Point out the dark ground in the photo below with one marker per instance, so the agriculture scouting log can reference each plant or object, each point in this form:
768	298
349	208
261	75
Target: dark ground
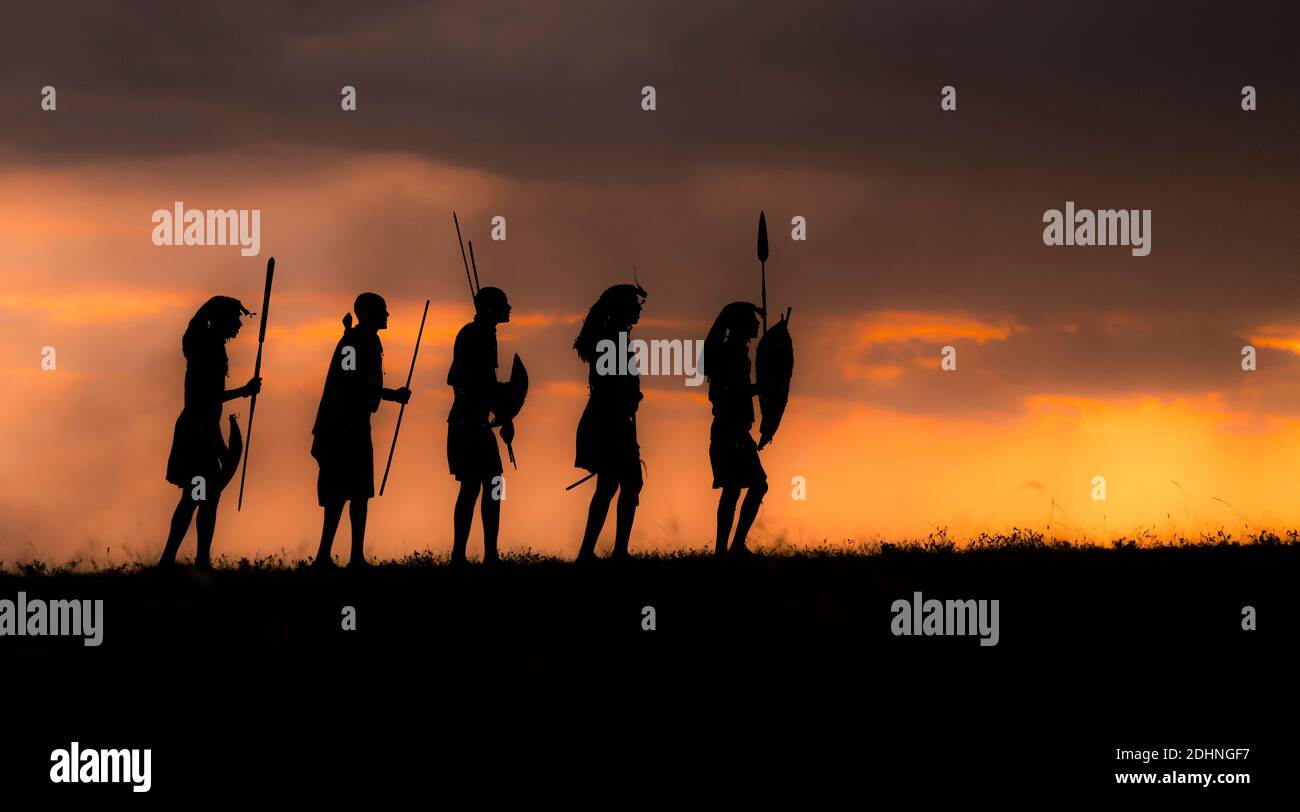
770	676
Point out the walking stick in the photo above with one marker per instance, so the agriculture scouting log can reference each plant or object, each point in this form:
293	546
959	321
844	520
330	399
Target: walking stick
257	372
402	410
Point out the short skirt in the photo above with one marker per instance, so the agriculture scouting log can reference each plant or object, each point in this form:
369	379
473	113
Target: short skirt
347	466
472	452
734	457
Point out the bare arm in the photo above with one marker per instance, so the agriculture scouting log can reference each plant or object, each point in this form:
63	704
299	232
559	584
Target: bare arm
396	395
253	386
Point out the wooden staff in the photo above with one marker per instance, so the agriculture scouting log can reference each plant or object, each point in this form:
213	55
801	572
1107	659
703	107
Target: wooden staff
257	373
402	410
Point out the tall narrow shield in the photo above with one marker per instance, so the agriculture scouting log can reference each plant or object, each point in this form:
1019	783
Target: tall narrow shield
774	367
509	398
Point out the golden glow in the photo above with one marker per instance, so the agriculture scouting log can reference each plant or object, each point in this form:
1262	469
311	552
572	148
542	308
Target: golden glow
888	326
82	276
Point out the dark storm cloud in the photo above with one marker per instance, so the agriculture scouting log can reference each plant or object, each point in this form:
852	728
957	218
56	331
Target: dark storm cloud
552	89
824	110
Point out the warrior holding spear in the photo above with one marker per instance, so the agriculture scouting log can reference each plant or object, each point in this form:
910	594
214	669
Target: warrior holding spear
354	388
733	454
472	453
200	463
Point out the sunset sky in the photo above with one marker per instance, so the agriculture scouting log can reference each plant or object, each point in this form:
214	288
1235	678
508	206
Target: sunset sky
924	230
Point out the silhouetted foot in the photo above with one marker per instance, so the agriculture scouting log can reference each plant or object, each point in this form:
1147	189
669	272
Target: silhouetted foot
720	551
323	564
620	556
203	566
585	558
166	564
490	561
358	564
740	551
458	561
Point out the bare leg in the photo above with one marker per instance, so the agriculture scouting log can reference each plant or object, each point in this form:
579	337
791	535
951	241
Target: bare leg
748	512
181	518
357	510
605	488
333	512
207	526
463	519
726	515
491	512
623	517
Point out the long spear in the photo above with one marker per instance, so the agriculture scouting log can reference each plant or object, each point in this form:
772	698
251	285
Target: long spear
474	265
461	240
762	259
509	446
257	372
402	410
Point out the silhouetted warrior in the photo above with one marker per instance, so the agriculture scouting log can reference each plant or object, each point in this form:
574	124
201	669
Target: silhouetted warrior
472	453
354	386
732	450
200	463
607	444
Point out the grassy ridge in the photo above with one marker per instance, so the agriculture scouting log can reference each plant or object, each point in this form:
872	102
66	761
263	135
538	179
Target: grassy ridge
936	543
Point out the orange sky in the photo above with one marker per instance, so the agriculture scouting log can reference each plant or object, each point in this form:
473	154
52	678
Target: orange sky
924	230
889	444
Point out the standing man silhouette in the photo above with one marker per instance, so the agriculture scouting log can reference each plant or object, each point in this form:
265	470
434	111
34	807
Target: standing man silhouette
607	442
200	463
733	453
354	387
472	452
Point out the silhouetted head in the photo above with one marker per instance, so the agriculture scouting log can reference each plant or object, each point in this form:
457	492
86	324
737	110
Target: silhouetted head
371	310
740	320
623	304
215	323
490	305
617	309
220	316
